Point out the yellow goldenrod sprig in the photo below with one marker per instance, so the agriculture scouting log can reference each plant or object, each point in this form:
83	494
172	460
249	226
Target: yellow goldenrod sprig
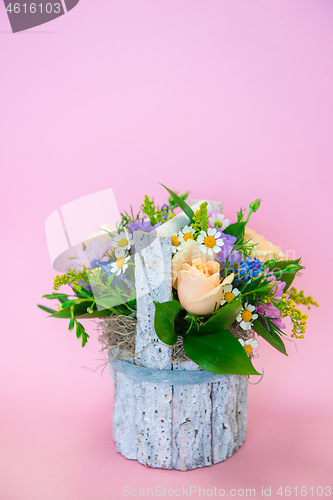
297	317
299	298
72	276
200	218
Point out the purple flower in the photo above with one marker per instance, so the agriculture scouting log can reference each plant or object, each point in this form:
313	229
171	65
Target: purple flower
270	311
234	257
146	227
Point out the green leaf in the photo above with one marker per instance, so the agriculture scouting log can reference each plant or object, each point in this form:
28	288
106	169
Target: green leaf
46	309
271	337
79	309
181	203
83	291
288	278
240	215
222	319
78	329
72	321
164	322
96	314
219	352
62	297
237	229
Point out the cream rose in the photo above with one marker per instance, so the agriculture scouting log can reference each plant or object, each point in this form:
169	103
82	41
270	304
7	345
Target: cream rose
190	250
265	250
199	288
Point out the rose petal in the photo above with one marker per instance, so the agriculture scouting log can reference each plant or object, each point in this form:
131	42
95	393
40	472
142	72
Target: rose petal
189	251
214	279
192	286
213	266
207	303
228	279
264	250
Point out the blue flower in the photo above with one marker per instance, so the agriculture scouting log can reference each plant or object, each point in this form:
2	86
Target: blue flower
250	268
97	263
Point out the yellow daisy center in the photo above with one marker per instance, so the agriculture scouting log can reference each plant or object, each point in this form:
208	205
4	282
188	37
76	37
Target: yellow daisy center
123	242
210	241
246	315
248	349
218	223
188	236
229	296
120	262
174	241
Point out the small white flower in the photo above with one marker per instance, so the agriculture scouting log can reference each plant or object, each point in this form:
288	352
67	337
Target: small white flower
120	252
248	345
218	221
120	265
175	243
124	241
210	241
187	233
246	317
229	294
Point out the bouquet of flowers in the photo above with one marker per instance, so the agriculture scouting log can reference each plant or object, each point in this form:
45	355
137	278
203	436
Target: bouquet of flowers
229	285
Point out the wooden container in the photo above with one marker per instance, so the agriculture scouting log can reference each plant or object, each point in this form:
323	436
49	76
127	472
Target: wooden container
162	417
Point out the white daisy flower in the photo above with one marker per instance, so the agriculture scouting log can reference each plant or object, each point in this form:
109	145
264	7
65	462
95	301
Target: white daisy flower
120	265
187	233
229	294
120	252
218	221
248	345
124	241
210	241
175	243
245	317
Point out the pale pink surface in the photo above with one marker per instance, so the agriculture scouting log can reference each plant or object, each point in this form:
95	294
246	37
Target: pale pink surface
231	100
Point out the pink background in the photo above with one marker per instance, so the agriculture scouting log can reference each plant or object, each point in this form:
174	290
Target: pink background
231	100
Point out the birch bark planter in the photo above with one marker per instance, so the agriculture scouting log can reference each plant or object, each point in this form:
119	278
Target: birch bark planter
164	417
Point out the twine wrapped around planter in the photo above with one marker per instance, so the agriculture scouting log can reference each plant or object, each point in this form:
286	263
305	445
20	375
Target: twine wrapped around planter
164	417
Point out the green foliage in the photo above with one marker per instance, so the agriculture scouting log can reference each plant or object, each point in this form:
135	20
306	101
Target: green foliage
116	298
165	315
237	229
113	295
240	215
219	352
200	218
258	288
285	270
254	205
222	318
81	333
173	204
180	202
269	335
126	218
